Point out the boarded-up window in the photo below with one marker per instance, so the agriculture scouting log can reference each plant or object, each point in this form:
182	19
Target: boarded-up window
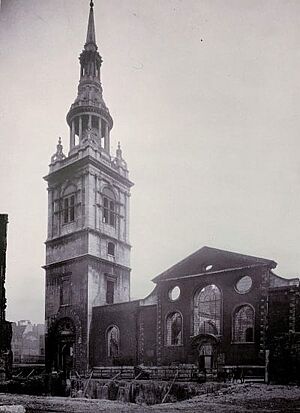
111	249
110	290
65	292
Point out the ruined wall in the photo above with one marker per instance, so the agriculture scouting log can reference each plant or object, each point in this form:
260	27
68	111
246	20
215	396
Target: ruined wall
147	339
231	353
124	317
283	338
5	326
143	330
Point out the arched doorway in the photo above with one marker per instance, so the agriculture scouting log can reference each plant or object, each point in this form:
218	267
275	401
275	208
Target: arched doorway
206	352
206	358
65	341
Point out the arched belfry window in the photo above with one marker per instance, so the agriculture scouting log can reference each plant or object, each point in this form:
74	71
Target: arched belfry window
113	341
109	207
207	311
243	324
68	204
174	329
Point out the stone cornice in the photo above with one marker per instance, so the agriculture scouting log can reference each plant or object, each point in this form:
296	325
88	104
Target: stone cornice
88	160
83	257
84	230
225	270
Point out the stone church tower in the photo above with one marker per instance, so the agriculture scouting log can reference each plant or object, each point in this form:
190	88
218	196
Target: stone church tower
87	247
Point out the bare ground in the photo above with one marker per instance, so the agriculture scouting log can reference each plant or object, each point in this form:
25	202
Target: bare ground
242	398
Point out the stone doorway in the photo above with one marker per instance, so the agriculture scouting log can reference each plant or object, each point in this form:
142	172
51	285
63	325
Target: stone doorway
206	351
65	340
206	359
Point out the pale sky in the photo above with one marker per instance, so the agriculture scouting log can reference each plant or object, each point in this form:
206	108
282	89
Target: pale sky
205	98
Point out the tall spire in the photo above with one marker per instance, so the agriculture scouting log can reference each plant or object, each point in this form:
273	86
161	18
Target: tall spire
91	36
89	118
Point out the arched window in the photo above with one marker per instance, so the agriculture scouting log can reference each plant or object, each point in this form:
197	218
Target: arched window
207	311
174	329
109	207
113	341
243	324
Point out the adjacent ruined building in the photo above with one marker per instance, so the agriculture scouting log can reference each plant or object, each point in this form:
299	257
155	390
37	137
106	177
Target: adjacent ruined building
28	342
213	310
5	326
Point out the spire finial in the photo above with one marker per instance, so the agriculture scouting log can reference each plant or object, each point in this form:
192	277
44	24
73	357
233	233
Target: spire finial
91	36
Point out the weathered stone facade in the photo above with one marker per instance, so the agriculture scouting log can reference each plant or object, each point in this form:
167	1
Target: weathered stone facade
211	310
5	326
87	247
283	334
226	337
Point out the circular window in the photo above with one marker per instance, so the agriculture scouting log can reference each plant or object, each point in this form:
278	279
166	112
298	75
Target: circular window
244	284
174	293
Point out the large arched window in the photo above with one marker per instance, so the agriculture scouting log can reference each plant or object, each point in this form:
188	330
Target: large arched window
243	324
207	311
174	329
113	341
109	207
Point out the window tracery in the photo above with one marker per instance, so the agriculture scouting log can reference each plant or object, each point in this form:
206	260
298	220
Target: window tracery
207	311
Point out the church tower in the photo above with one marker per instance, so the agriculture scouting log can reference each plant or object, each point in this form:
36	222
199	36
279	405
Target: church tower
87	247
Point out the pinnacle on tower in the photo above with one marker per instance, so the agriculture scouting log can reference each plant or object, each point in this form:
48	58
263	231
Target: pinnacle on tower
119	151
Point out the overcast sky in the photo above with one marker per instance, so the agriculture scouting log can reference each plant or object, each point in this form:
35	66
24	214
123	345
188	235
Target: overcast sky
205	98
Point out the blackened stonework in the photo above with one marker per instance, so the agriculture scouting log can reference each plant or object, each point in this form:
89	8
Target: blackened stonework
5	326
87	246
124	317
283	334
211	310
147	337
74	272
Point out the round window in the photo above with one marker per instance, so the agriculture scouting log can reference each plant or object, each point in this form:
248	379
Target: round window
244	284
174	293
